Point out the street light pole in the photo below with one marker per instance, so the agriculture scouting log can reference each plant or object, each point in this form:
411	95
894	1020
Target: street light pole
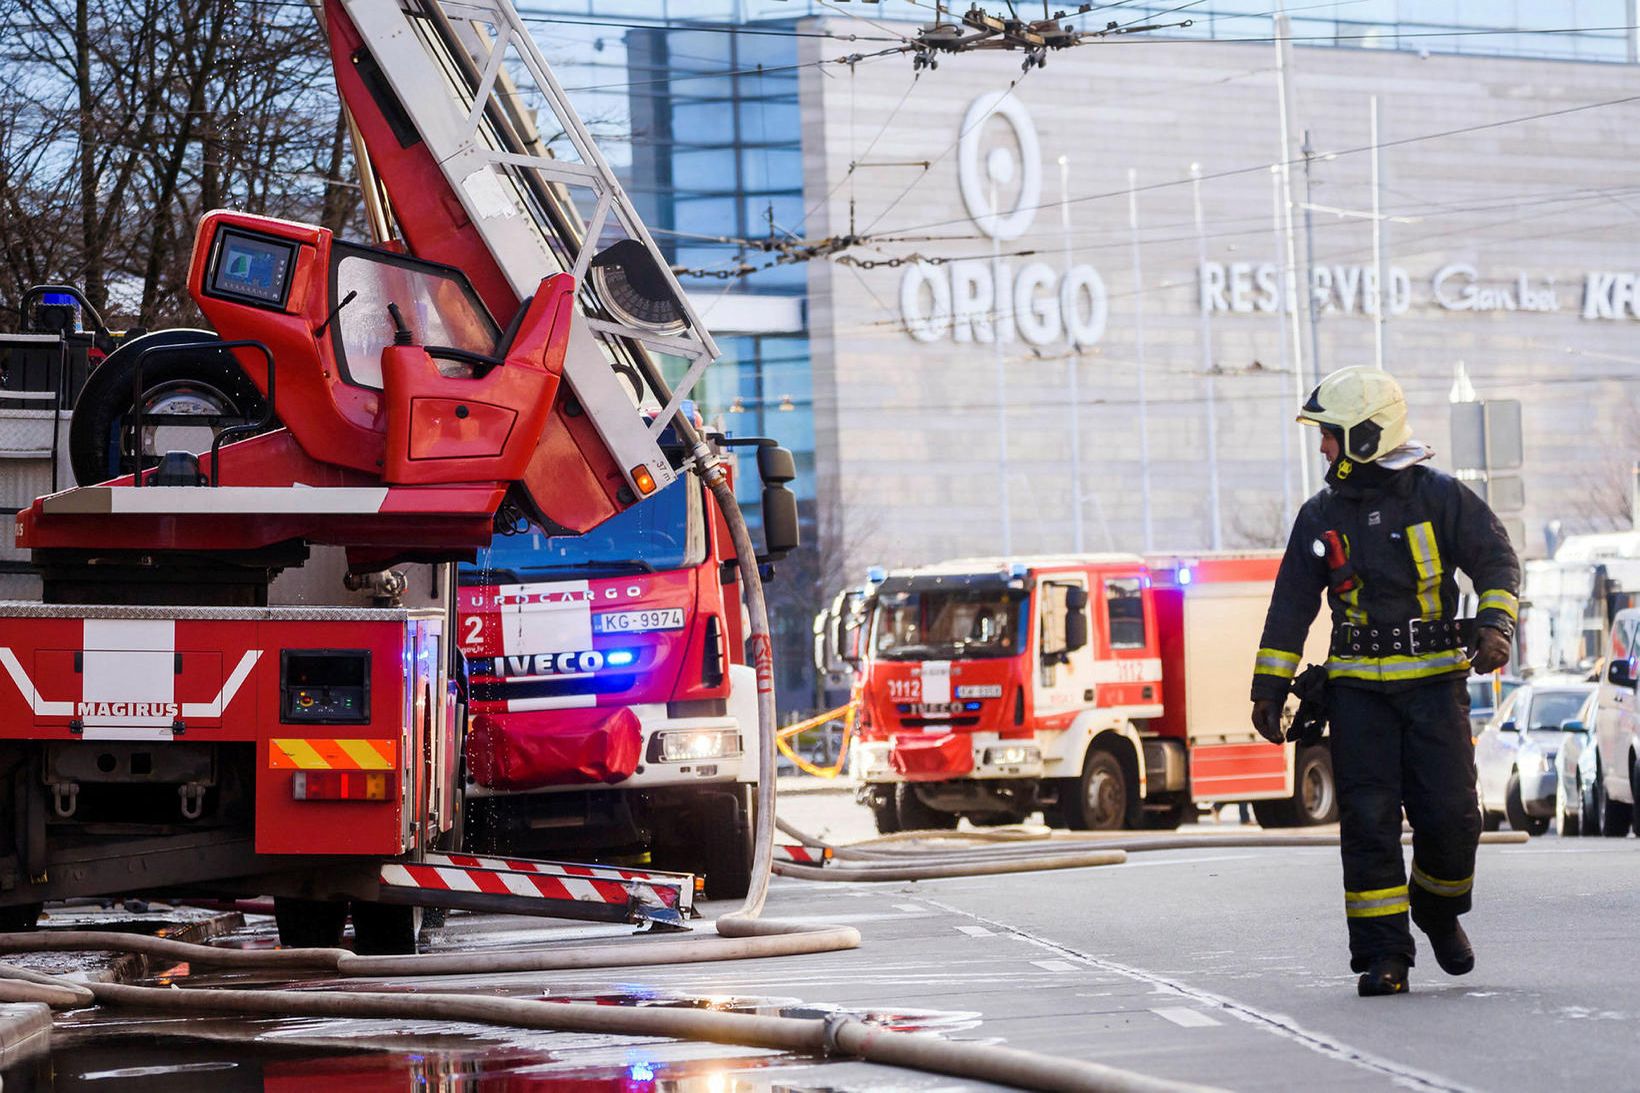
1002	385
1379	294
1284	103
1073	364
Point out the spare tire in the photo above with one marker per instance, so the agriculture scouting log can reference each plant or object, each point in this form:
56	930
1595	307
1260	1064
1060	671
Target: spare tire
191	376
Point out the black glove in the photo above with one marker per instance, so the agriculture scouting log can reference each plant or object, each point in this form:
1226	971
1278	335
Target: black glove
1489	650
1267	719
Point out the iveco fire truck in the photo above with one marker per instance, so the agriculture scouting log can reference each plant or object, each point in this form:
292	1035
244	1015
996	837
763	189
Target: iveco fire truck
1106	690
612	708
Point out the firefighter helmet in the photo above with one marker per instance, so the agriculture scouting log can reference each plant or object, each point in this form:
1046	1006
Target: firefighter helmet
1366	408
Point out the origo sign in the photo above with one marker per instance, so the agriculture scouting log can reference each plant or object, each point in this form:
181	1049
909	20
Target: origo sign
990	300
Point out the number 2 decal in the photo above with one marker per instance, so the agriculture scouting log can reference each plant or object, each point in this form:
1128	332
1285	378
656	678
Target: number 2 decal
475	630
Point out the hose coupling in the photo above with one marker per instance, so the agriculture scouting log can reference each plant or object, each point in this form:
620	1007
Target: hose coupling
834	1025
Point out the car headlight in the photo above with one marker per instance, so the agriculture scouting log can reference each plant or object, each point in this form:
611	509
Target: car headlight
686	745
1011	755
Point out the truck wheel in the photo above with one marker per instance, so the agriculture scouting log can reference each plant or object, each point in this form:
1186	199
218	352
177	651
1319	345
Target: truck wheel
309	923
385	929
1491	821
916	815
1275	813
1588	808
726	842
1315	793
20	917
884	811
1103	795
1515	810
1167	818
194	379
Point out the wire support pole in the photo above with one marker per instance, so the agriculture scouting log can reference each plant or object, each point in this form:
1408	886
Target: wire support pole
997	305
1073	366
1289	505
1139	354
1284	97
1379	296
1215	519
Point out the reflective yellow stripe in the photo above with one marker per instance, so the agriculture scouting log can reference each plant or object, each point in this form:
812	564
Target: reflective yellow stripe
1426	555
295	753
1496	599
367	754
1395	669
1441	887
1276	662
1376	902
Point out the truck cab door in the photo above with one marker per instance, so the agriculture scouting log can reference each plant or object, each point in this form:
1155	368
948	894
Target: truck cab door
1064	669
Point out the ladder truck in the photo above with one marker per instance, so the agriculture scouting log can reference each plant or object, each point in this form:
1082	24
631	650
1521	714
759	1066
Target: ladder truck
1108	691
243	673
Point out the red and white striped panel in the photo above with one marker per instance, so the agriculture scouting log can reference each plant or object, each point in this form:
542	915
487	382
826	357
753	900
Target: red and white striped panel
441	878
567	869
801	855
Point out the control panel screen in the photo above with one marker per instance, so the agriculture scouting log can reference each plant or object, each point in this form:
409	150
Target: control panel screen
324	686
253	268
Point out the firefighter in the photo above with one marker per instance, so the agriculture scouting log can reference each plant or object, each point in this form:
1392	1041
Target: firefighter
1382	540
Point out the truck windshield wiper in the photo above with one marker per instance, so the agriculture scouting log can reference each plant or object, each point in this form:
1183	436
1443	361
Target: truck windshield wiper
628	565
487	575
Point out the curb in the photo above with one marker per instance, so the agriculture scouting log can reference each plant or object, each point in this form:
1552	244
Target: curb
128	967
25	1031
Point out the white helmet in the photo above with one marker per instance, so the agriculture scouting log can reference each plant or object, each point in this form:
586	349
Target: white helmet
1366	409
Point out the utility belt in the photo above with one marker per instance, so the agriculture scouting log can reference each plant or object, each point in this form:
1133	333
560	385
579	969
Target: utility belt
1411	638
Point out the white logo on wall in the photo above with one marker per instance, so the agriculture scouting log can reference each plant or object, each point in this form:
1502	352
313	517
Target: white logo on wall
960	299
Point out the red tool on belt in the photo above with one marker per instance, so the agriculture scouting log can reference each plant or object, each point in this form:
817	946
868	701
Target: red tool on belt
1338	563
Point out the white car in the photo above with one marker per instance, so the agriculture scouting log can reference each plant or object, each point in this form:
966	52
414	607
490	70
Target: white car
1576	739
1515	753
1610	770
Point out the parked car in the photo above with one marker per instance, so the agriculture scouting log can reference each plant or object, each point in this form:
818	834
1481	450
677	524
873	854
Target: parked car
1576	737
1609	767
1485	692
1515	753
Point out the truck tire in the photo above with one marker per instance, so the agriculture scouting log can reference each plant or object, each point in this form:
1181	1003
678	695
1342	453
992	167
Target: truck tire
884	811
309	923
1588	808
727	844
916	815
385	929
1515	810
1104	794
1315	793
20	917
1167	818
193	373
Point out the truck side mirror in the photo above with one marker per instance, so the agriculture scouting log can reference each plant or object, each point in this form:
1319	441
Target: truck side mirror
781	535
1619	674
1076	619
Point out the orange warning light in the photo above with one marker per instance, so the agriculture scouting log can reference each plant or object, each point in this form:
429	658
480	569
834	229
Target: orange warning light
643	480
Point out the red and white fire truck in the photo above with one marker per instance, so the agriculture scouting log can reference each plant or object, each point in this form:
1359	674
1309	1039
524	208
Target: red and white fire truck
1107	690
613	711
241	675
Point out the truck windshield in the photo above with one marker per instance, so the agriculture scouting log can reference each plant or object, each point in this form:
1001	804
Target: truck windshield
666	531
946	625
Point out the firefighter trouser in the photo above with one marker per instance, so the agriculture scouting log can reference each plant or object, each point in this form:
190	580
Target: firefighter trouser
1407	748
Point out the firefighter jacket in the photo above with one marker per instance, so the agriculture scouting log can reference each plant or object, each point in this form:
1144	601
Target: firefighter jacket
1383	545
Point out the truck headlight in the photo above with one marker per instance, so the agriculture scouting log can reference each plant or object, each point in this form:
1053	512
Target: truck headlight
686	745
1012	755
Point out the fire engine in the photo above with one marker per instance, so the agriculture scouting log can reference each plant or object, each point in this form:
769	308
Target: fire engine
1106	690
612	706
242	675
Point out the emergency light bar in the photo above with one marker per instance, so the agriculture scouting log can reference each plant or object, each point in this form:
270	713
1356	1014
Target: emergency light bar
478	92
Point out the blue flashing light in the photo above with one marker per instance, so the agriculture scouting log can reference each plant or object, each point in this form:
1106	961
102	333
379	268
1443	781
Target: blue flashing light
620	658
1019	571
970	706
61	299
876	575
641	1072
1184	576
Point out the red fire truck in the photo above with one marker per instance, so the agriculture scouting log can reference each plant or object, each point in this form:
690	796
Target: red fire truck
612	708
239	677
1108	691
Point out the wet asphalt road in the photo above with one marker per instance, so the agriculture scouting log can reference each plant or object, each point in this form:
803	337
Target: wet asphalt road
1224	966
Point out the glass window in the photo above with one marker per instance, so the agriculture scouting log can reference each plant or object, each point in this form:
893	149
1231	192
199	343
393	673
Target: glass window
946	625
1124	600
438	304
663	532
1550	708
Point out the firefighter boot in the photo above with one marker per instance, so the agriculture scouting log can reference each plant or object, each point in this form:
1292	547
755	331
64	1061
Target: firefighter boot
1386	975
1452	949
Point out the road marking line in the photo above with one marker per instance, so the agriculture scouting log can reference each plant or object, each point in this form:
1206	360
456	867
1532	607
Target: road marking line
910	907
976	931
1320	1043
1185	1018
1055	965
